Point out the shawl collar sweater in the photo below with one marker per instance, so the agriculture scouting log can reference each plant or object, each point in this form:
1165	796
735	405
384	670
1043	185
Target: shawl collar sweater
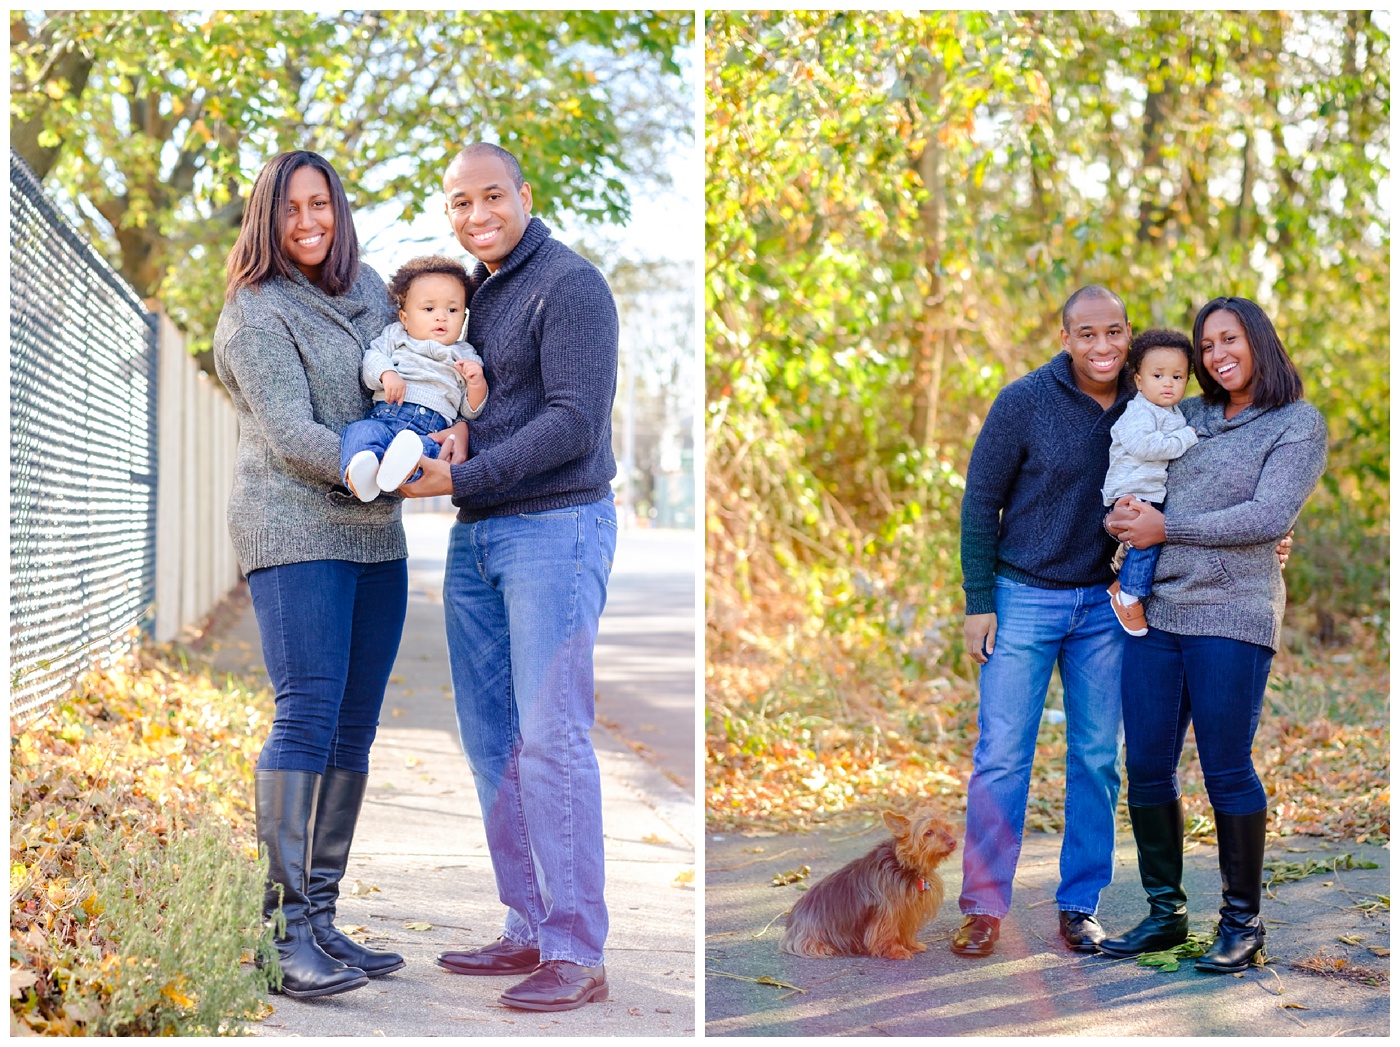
546	327
1032	509
1230	498
289	355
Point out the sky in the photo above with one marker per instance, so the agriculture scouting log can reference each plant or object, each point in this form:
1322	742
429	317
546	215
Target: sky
666	224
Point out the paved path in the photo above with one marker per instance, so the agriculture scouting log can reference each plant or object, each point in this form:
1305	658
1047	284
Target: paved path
420	854
1031	985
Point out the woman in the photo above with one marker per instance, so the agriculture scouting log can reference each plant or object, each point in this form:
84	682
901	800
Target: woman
328	575
1214	618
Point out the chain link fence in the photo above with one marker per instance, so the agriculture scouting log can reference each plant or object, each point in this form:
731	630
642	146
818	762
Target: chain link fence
82	453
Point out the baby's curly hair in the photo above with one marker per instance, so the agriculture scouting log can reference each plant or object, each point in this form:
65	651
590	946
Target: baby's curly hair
1156	338
425	265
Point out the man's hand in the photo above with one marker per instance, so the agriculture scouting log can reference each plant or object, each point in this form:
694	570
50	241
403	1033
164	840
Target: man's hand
436	479
1284	549
454	442
980	631
394	387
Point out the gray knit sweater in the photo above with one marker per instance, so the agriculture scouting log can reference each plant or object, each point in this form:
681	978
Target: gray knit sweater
289	355
1230	498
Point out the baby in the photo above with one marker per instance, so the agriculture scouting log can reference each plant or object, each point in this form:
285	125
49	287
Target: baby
422	375
1150	434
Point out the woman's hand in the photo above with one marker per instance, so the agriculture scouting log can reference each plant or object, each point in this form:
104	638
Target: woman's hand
436	479
1137	523
454	442
1284	549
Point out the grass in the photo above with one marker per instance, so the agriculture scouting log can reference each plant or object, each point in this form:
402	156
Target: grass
135	889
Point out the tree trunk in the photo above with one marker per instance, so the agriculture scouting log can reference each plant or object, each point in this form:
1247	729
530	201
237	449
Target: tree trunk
928	358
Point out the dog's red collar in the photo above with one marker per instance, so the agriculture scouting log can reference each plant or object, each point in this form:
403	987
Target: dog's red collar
923	884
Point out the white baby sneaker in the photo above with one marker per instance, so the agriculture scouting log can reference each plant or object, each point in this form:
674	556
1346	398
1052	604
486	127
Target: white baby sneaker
359	476
400	460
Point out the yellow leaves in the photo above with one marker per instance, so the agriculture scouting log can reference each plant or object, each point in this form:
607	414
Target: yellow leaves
175	992
684	878
654	838
138	751
417	925
56	90
359	889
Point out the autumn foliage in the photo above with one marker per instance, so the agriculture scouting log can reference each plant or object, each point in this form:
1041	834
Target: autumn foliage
134	887
897	204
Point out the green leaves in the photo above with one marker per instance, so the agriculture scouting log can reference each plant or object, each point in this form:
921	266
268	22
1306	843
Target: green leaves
1169	960
161	138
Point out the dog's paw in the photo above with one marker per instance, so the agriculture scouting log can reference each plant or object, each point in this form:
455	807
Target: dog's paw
895	952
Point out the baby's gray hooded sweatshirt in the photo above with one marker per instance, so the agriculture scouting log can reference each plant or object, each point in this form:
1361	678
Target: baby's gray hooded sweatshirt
1145	441
426	368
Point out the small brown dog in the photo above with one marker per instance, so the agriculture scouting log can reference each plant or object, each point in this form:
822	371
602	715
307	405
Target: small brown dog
875	905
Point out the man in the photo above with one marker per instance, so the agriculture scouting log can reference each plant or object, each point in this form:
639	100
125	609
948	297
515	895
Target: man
1036	572
526	579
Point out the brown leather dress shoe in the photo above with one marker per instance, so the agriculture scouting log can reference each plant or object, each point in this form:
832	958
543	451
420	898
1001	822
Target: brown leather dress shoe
1080	930
502	956
558	985
977	935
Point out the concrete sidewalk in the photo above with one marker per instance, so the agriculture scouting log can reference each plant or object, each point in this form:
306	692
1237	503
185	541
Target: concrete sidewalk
420	878
1032	985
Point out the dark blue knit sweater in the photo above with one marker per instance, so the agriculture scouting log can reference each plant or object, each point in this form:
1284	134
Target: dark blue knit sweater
546	327
1033	508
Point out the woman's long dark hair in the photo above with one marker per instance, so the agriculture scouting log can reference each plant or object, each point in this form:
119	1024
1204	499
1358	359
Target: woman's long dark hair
258	256
1276	380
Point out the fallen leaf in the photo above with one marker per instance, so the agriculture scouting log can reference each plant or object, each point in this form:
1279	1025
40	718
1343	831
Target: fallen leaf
359	888
768	979
411	761
19	981
788	876
1290	1006
685	876
1350	939
653	838
417	925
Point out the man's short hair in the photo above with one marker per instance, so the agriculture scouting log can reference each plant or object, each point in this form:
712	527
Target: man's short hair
1087	292
506	157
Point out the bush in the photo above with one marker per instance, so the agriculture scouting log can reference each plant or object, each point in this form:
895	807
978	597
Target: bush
134	885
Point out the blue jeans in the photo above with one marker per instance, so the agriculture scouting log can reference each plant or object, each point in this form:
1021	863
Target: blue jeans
1037	629
523	595
376	431
1217	683
330	632
1139	565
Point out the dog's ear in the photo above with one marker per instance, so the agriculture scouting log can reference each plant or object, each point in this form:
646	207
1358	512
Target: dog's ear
899	825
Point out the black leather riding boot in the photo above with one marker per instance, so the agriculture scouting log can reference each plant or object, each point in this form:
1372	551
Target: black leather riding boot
1158	831
286	809
1240	933
342	792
